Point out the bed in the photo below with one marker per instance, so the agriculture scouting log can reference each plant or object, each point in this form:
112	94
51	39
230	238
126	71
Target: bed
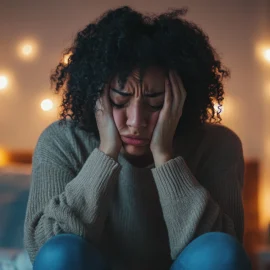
14	191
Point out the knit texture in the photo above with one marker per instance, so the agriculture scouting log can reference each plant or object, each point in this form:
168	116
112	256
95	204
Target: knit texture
139	218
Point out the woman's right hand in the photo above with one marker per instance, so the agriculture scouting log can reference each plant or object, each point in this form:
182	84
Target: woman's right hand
110	141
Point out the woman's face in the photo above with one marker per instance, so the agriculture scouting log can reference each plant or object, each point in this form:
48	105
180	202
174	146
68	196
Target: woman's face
140	108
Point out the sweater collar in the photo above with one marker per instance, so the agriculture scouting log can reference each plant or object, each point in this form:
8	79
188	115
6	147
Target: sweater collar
126	163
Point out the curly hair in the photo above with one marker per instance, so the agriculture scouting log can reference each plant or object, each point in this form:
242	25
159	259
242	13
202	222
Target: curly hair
123	39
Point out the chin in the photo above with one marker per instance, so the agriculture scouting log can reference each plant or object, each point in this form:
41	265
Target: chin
135	150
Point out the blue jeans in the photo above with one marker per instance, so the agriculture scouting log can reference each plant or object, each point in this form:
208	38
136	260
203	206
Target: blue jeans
213	251
210	251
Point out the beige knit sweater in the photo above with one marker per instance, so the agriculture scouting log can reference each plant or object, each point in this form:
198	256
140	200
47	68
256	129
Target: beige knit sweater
139	218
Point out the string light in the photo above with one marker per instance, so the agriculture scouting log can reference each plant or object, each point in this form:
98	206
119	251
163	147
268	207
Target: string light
218	108
66	58
46	104
262	51
4	158
27	49
267	55
3	82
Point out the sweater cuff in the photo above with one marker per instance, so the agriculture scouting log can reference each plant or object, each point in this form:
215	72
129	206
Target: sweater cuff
102	171
174	179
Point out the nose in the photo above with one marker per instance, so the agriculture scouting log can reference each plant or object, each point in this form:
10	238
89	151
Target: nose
136	118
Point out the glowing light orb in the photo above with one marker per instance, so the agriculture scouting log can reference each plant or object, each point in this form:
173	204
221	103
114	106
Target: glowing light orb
27	49
3	82
46	105
267	55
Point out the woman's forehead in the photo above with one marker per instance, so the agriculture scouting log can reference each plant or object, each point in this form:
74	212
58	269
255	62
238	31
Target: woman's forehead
153	76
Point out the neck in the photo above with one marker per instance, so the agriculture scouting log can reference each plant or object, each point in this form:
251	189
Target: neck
140	161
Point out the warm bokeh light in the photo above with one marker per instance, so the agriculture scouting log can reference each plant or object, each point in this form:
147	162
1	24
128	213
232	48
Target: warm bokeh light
263	52
219	108
27	49
3	82
46	105
267	55
264	202
227	107
264	188
4	158
66	58
231	107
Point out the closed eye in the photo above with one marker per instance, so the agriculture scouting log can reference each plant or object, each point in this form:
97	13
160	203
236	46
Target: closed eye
119	106
150	95
116	105
125	94
156	107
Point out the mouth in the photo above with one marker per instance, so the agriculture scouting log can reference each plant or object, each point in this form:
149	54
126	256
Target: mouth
134	141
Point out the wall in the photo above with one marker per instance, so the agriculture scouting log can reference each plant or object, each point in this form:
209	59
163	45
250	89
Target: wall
236	29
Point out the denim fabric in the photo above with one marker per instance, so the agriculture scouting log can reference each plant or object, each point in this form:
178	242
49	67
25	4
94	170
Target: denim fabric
210	251
213	251
68	252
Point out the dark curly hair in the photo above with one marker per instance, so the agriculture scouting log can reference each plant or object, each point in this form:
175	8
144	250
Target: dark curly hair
123	39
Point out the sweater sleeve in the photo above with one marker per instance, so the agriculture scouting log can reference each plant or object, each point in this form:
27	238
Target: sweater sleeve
190	209
61	202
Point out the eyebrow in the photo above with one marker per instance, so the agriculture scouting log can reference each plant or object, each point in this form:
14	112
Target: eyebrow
125	94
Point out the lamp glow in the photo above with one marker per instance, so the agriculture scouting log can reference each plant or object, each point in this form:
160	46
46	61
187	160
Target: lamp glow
27	49
4	159
46	105
66	58
267	55
3	82
216	108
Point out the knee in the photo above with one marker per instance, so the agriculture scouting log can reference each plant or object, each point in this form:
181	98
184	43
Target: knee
68	251
213	250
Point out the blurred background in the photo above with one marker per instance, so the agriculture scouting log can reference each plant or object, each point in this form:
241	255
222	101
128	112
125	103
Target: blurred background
33	35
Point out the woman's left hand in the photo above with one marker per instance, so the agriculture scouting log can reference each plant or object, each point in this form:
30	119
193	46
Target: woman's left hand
162	139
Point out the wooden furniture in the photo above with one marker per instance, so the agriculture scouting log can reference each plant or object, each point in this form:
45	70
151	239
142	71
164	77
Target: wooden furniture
252	236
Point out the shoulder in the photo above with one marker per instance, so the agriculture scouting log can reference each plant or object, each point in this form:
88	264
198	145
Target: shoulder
63	143
57	131
221	135
221	145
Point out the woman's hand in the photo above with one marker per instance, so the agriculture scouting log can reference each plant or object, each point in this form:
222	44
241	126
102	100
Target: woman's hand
110	141
162	139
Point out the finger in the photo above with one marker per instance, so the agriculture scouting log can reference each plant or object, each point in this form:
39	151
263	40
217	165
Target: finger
178	90
183	92
98	105
102	102
175	88
168	94
105	98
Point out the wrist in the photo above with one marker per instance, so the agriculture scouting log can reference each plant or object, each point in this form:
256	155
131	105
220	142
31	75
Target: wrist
109	152
161	159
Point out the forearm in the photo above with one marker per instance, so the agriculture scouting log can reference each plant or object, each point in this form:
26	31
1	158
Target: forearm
193	216
91	192
187	206
60	202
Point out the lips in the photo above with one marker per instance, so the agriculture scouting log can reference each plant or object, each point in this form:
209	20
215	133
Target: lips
134	141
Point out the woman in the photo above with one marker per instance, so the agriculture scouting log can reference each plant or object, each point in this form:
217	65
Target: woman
138	177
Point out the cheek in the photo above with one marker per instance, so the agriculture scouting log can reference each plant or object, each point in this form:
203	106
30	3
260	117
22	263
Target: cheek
153	118
119	118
